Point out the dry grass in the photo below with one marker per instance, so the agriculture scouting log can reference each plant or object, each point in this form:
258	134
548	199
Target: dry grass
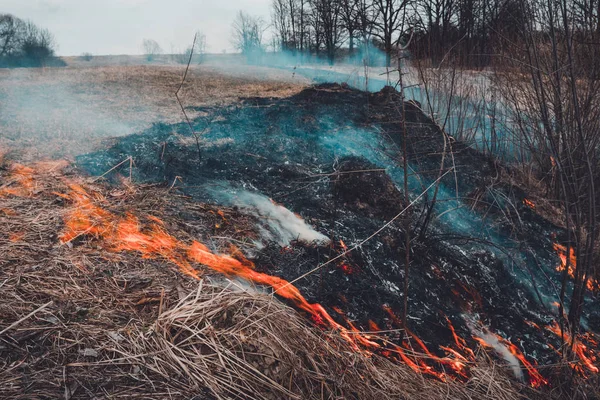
80	322
63	112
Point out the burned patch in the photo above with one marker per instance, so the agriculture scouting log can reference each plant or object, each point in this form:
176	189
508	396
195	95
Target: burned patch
479	260
366	189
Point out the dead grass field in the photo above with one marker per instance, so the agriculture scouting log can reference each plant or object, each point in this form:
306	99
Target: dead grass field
63	112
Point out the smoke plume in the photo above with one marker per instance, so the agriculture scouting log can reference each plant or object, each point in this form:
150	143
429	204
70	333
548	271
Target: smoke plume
278	223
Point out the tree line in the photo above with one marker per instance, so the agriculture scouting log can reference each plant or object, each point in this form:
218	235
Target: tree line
322	27
473	30
23	44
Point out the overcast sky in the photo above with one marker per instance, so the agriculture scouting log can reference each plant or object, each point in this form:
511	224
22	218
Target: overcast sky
119	26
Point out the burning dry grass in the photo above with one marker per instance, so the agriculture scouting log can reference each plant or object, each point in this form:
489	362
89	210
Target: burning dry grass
81	322
246	345
63	112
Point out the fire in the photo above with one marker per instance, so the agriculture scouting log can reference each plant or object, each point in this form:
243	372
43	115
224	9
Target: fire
529	203
229	266
20	183
90	217
459	341
561	251
343	245
586	356
457	361
373	327
471	291
535	378
348	270
127	233
8	212
533	324
21	178
16	237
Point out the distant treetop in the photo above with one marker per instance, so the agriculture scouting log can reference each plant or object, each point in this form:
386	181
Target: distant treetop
23	44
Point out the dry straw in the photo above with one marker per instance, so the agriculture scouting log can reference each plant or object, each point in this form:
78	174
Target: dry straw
80	322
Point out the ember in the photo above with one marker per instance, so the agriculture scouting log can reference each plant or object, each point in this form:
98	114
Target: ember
529	203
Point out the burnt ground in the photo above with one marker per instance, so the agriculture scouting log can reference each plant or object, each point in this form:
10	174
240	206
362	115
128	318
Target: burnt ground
332	154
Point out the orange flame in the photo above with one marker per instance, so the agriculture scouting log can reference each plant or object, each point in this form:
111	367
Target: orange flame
90	217
373	327
21	178
561	251
21	182
459	341
529	203
585	355
128	234
535	378
16	237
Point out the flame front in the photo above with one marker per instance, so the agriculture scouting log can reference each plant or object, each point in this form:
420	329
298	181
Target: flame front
90	216
535	378
21	182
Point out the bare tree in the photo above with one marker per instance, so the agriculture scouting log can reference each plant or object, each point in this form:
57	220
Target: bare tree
151	49
290	21
199	49
248	36
328	20
390	18
281	23
436	20
349	14
557	114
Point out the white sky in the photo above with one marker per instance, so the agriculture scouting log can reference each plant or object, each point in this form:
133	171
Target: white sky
119	26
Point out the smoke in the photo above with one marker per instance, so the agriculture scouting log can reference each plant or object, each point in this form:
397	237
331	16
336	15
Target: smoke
277	222
51	114
480	332
504	352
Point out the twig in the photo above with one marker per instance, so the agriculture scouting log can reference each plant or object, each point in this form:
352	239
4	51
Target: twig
26	317
377	232
196	136
130	159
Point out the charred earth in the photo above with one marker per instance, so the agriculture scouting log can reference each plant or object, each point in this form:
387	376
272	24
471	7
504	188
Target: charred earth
482	260
300	197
